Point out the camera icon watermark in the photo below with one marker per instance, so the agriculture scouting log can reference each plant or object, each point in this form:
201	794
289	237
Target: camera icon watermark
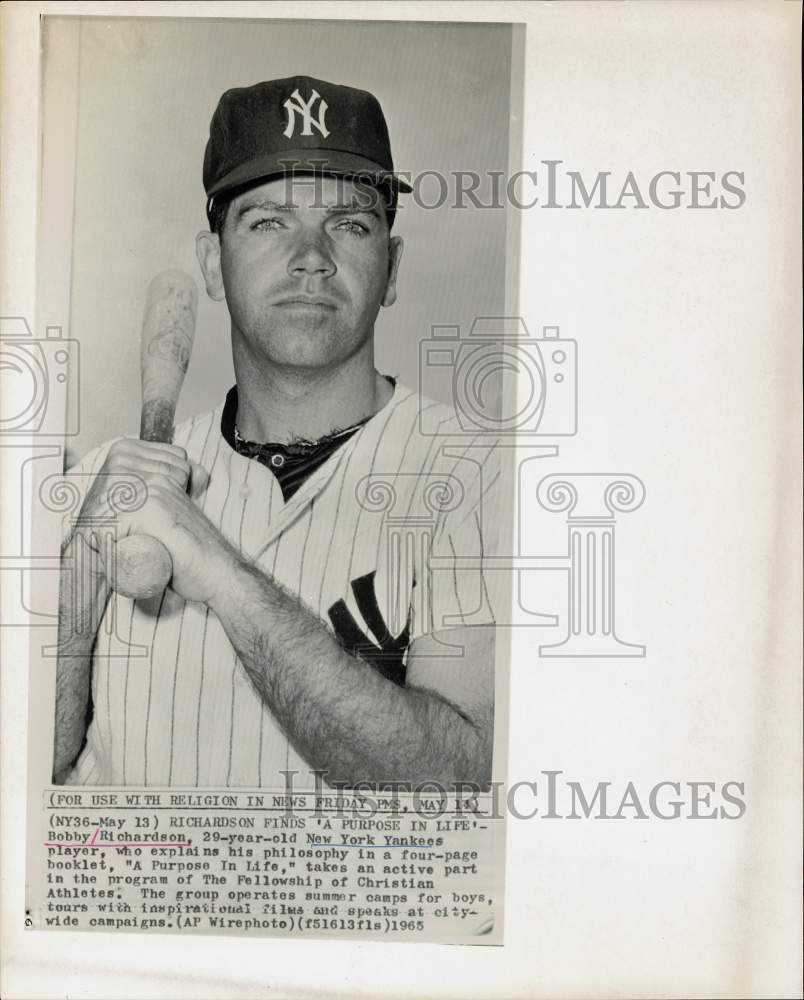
499	379
35	372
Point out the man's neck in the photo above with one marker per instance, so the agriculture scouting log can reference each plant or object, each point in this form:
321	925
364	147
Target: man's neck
282	406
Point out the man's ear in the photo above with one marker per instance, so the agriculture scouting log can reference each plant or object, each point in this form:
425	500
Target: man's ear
395	248
208	251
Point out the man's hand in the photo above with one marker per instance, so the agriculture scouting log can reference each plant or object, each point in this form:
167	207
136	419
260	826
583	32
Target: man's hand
158	504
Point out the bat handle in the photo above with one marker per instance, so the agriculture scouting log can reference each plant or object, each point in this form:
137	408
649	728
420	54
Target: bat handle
141	565
156	421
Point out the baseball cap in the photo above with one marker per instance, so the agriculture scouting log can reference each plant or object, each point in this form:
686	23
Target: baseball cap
298	124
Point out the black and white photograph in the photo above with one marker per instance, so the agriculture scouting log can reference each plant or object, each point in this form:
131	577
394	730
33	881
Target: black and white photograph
400	507
290	577
289	387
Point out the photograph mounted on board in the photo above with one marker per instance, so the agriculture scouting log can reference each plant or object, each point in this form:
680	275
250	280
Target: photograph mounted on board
273	551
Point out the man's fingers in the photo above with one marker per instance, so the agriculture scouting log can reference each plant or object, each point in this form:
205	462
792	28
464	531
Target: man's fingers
147	509
134	450
199	479
152	447
179	473
148	472
146	467
149	461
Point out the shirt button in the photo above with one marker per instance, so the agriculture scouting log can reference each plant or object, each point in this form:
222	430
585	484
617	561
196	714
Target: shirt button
277	461
245	491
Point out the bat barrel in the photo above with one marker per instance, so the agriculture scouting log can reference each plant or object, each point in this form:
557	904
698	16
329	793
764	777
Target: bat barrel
168	329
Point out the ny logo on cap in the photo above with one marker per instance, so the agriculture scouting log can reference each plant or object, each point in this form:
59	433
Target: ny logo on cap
295	103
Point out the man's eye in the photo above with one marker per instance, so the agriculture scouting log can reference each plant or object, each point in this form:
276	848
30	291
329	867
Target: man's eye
266	224
351	226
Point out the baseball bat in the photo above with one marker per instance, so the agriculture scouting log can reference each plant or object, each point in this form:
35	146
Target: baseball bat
141	565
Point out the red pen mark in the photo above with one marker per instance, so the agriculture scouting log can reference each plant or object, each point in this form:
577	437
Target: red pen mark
120	843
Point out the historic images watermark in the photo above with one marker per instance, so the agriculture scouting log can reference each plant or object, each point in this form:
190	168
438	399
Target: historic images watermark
40	366
369	805
37	417
509	389
553	185
552	795
482	373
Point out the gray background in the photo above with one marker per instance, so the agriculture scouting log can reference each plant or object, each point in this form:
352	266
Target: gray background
145	92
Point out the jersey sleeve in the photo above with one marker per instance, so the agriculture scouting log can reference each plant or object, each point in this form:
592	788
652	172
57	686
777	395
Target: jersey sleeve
457	589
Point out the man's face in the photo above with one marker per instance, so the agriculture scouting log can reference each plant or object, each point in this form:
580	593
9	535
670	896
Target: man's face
304	264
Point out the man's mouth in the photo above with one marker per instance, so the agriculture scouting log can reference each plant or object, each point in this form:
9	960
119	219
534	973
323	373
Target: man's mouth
305	301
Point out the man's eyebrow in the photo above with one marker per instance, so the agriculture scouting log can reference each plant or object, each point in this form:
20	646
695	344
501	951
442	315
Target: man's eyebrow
264	205
356	207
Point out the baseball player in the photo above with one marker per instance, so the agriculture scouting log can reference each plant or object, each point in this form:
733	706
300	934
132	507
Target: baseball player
327	609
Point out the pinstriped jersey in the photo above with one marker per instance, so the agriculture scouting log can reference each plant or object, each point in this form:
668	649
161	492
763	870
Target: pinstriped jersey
384	543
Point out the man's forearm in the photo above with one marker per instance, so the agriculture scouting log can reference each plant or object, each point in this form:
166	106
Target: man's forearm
83	593
341	715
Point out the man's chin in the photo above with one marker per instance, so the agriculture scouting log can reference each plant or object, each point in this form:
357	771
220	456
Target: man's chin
308	345
302	350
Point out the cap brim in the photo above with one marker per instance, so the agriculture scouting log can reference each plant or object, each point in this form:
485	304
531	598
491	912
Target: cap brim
315	161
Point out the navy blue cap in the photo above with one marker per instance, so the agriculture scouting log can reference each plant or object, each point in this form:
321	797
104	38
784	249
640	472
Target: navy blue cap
301	125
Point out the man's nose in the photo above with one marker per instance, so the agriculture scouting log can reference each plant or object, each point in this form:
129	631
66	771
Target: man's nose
312	257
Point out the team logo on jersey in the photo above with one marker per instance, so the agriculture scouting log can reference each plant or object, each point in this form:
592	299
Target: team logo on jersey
296	105
387	654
